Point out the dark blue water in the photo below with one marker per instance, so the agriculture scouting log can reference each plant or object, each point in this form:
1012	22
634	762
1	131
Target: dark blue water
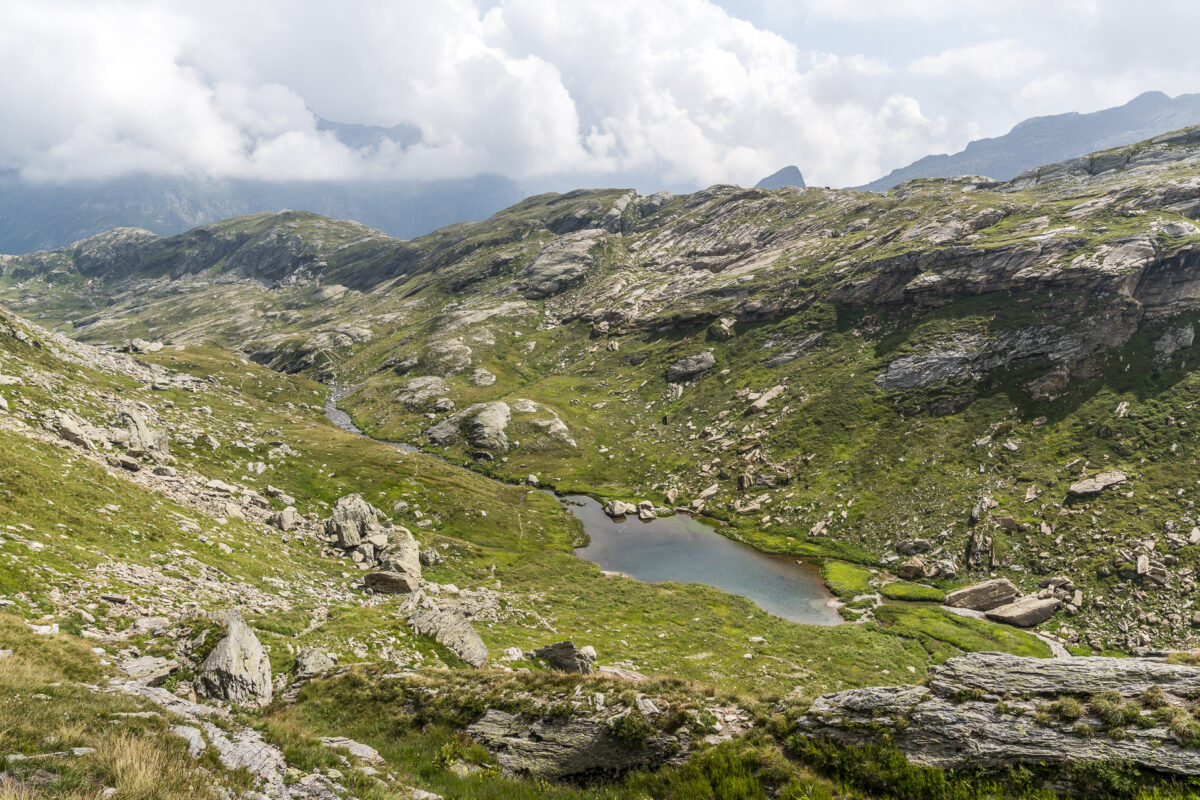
686	550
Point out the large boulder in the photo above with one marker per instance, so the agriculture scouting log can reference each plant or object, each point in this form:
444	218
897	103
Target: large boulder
311	662
566	657
983	596
402	556
570	749
287	519
389	582
1097	483
690	367
237	670
957	722
1026	612
134	433
450	628
353	520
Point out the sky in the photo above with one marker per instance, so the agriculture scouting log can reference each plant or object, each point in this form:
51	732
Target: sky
558	94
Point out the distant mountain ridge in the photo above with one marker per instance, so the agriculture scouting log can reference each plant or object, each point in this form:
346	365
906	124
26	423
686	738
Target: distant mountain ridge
43	216
1044	140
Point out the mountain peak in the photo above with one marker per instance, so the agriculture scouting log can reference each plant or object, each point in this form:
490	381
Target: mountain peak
788	176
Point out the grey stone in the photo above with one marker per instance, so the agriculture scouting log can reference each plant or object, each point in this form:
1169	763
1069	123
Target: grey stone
983	596
353	518
237	669
389	582
311	662
451	629
150	670
1097	483
686	368
1026	612
194	738
566	657
574	748
937	727
287	519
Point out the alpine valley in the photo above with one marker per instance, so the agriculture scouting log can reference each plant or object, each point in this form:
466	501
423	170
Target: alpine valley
280	515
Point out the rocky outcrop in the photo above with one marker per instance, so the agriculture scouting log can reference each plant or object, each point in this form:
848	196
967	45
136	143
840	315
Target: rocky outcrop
452	630
690	367
353	520
935	725
574	748
135	434
561	264
237	670
485	423
566	657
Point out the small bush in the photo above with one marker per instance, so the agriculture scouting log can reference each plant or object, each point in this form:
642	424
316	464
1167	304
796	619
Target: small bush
1067	709
632	730
1113	712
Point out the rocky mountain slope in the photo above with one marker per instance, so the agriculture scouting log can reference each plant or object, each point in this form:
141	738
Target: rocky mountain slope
954	383
1042	140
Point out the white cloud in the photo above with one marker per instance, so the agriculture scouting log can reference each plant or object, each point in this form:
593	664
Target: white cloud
1002	58
677	92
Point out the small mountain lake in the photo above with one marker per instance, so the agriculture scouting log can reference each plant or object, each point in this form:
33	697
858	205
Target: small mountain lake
682	549
686	550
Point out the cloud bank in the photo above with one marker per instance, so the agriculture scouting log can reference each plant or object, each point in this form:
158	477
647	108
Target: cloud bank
669	93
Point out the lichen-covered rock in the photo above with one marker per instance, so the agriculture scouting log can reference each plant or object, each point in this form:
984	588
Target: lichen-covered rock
574	748
450	628
691	366
936	727
485	422
1026	612
1097	483
353	520
566	657
983	596
237	670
